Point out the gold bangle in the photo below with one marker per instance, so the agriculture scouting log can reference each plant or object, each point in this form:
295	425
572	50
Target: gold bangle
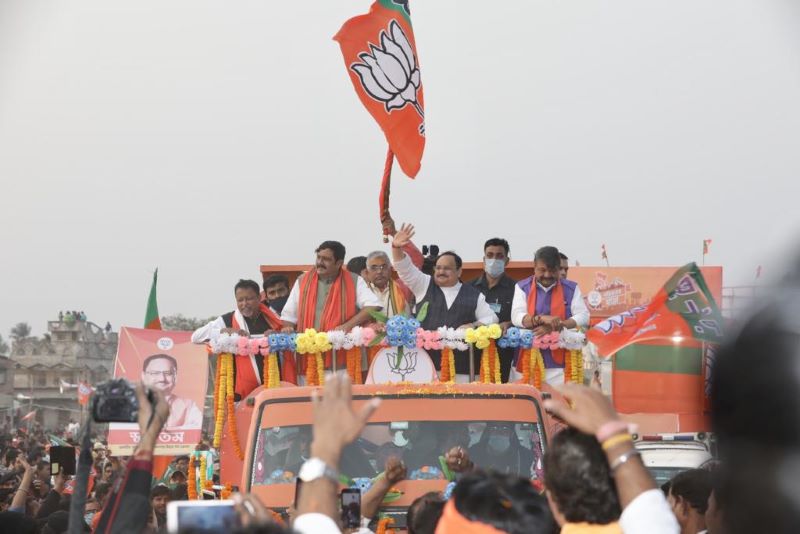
616	440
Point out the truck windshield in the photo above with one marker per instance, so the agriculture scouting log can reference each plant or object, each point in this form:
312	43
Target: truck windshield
499	433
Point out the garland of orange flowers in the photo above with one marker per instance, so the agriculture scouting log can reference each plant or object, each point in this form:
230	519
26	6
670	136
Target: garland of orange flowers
220	389
311	370
226	492
525	354
234	434
320	369
496	362
537	368
448	365
277	517
353	356
191	487
577	366
383	526
490	365
272	376
371	353
203	467
568	368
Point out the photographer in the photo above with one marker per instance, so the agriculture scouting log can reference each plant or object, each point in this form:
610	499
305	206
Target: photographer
128	505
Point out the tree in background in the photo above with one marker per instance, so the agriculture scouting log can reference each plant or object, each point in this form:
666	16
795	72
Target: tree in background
20	331
181	322
3	346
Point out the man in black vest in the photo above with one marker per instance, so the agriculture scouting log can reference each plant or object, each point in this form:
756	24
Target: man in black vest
450	303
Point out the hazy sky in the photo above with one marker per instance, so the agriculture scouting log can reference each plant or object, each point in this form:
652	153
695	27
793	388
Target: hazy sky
207	138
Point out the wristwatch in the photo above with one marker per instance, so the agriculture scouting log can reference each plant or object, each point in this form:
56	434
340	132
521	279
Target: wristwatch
314	468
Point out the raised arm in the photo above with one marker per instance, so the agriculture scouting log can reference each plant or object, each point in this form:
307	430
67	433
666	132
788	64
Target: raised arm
411	276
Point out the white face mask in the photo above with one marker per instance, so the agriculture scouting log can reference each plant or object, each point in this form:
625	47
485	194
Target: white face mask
494	267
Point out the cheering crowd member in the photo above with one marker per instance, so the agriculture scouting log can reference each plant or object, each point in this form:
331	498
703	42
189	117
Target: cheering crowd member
545	303
450	302
250	317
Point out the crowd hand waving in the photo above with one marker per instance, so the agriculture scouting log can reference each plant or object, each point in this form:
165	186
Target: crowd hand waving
587	411
336	424
458	460
403	236
152	416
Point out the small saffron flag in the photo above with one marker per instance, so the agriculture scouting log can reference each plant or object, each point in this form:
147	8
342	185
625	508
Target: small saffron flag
683	308
706	245
151	319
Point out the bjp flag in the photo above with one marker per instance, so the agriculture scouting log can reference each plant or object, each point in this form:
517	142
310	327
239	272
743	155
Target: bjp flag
683	308
381	58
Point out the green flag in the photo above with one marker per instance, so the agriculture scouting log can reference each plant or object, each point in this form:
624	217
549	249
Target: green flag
151	320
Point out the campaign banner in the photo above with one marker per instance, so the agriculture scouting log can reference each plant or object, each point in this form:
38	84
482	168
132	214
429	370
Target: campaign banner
167	361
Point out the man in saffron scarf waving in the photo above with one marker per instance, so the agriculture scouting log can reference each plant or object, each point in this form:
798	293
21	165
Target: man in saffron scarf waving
547	303
251	317
329	297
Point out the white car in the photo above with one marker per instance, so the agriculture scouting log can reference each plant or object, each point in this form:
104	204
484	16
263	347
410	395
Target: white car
666	455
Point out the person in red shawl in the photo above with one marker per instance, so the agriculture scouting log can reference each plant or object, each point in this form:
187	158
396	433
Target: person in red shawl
251	317
329	297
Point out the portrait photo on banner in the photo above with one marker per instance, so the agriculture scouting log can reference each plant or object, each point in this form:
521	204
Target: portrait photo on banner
169	362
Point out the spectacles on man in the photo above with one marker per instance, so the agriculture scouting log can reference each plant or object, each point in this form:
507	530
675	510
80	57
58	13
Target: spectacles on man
165	374
378	268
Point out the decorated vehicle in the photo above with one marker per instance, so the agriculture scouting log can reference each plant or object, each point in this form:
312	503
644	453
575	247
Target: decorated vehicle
501	426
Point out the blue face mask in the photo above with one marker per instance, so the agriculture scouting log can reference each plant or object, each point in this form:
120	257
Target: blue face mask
494	267
499	444
88	517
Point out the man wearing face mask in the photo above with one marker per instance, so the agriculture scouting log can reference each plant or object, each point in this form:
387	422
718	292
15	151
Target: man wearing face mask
547	303
499	450
498	288
276	292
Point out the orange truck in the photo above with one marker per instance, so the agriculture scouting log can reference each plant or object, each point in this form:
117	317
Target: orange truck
417	423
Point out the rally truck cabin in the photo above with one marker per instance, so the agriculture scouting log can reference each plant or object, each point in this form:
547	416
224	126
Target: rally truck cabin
417	423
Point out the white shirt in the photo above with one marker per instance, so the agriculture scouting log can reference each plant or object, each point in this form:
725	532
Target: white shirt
418	282
383	296
649	513
204	333
364	298
519	306
315	523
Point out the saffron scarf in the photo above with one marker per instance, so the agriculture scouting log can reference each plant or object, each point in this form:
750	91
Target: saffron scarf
397	298
340	305
453	522
557	307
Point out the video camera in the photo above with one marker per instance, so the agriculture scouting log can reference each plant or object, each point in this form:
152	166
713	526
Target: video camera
115	401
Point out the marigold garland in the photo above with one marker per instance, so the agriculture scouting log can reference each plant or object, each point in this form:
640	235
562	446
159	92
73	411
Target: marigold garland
226	492
320	369
537	367
359	374
232	431
224	375
272	376
568	374
496	362
311	370
191	486
486	372
203	468
448	365
353	357
525	354
383	526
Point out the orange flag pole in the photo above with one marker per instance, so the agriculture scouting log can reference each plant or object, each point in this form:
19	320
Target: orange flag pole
383	199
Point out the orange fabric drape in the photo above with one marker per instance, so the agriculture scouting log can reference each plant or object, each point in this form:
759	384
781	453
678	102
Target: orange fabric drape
339	306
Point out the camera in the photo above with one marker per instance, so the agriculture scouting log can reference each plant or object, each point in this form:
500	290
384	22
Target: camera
115	402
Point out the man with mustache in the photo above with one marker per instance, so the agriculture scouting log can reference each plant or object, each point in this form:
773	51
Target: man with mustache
329	297
450	303
547	303
251	317
160	372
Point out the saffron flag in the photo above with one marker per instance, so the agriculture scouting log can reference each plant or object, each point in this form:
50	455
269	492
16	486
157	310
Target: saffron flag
683	308
151	319
706	245
28	416
84	393
380	54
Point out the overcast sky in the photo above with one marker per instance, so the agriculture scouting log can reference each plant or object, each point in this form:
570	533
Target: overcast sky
207	138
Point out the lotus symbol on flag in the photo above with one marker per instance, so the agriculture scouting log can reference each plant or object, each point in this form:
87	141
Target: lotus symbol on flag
389	73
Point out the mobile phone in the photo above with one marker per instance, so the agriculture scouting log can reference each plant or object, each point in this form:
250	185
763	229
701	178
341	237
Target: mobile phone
298	483
62	458
351	507
202	517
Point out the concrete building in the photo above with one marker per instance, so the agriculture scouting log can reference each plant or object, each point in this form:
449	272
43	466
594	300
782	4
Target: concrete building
71	351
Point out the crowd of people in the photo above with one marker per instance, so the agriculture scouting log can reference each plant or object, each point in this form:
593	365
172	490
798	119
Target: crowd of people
593	476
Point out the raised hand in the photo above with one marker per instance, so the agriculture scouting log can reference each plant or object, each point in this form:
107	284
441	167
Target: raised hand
395	470
403	236
587	411
458	460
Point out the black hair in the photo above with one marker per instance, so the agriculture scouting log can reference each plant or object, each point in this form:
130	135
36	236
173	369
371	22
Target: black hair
694	487
149	359
261	528
100	490
562	255
357	264
506	502
247	284
180	492
274	280
577	475
17	523
159	491
424	513
11	455
497	242
455	256
549	256
335	247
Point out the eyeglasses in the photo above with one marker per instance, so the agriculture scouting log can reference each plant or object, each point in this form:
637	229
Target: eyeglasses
166	374
378	268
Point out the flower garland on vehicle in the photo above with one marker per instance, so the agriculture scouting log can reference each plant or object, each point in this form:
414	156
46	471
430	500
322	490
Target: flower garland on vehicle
191	487
384	524
484	339
313	344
